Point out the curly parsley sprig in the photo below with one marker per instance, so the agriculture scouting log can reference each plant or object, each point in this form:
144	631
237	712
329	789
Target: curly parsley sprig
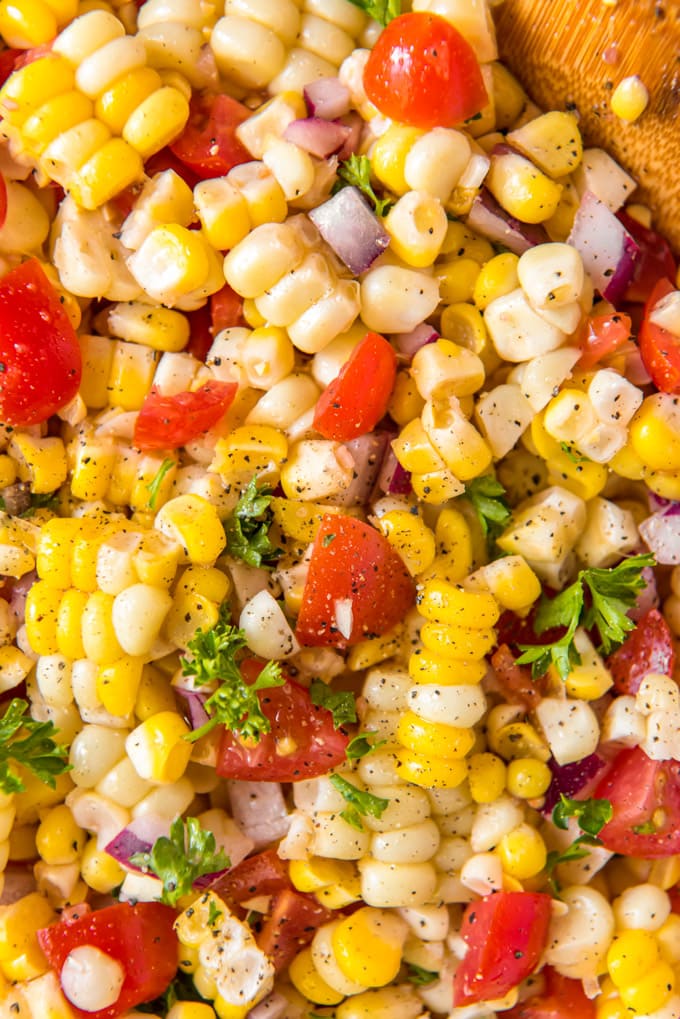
359	802
189	853
247	529
591	816
382	11
32	745
356	172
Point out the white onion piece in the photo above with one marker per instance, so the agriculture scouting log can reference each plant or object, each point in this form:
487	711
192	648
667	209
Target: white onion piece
661	534
608	251
350	228
319	137
260	811
327	98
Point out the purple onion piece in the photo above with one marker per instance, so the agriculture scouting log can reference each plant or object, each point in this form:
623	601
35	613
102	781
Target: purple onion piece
321	138
569	779
193	704
661	535
608	251
486	217
392	478
354	123
327	98
138	837
368	452
351	229
407	344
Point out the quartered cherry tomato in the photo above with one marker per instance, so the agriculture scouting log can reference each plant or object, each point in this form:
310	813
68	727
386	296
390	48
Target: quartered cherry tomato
292	923
560	997
167	422
422	72
603	335
357	397
659	348
645	797
208	145
655	261
647	648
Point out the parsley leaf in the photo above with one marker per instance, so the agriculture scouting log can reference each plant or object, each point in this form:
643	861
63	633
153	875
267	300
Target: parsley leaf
247	529
361	745
181	989
360	802
178	861
234	703
356	171
487	497
419	976
592	815
36	750
382	11
340	703
154	486
575	458
612	592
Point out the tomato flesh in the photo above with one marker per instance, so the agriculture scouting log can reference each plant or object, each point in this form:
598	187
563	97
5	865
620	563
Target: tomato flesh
357	397
40	359
292	923
208	145
603	335
167	422
647	648
659	348
505	934
140	937
655	261
319	746
643	793
357	586
561	997
262	874
422	72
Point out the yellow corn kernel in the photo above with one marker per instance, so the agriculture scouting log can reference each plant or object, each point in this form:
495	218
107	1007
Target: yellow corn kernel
40	462
58	114
433	739
588	681
457	641
518	740
194	1010
97	354
414	451
410	536
399	1000
663	483
340	895
111	169
464	451
193	522
92	469
27	89
436	487
8	471
406	403
552	141
206	581
497	278
428	667
457	279
251	314
59	840
118	102
368	945
299	520
586	479
668	938
486	775
21	957
318	872
97	629
14	667
430	772
204	983
522	189
305	978
655	434
223	212
388	156
611	1008
629	99
374	650
154	694
445	603
132	371
99	869
522	852
157	748
27	23
159	328
630	956
528	778
42	612
157	121
55	548
188	613
117	685
464	243
86	549
464	325
155	561
250	449
512	582
651	991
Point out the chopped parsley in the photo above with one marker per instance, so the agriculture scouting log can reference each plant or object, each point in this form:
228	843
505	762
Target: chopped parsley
361	745
247	529
154	486
382	11
356	171
487	496
591	816
360	802
612	592
575	458
182	988
340	703
189	853
419	976
31	744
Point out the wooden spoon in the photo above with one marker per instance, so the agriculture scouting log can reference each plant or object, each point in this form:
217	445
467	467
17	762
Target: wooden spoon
577	51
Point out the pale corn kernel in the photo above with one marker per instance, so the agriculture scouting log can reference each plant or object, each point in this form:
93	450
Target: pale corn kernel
629	99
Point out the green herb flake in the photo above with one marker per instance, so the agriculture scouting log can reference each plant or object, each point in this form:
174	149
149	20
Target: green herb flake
214	913
591	815
419	976
487	497
575	458
154	486
382	11
182	988
356	172
361	744
189	853
30	744
247	529
340	703
360	802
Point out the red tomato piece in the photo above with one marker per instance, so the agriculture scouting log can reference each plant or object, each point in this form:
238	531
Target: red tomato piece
560	997
643	793
292	923
655	261
40	359
506	933
3	201
319	746
164	159
357	586
603	335
647	648
8	60
208	144
659	348
516	680
357	397
166	422
226	309
263	874
140	937
422	72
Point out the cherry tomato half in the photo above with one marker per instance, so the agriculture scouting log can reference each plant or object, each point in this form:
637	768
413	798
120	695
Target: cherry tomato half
645	796
208	144
167	422
422	72
647	648
659	348
357	397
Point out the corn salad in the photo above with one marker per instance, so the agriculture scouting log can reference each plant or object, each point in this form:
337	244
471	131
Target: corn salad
339	555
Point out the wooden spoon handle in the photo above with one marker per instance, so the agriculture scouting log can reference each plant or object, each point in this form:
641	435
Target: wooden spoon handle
576	52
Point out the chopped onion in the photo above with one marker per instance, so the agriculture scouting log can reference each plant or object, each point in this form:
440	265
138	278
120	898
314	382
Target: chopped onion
344	616
260	811
367	453
355	125
392	478
228	837
319	137
608	251
327	98
647	598
407	344
354	233
274	1006
487	218
138	837
661	534
19	880
569	779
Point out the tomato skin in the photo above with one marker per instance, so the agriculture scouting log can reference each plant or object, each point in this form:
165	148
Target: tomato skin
506	933
422	72
292	923
561	997
352	561
603	335
647	648
659	348
167	422
40	359
263	874
637	787
357	397
319	745
140	937
208	145
655	261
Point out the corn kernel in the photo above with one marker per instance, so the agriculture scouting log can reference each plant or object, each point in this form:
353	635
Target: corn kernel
308	982
193	522
388	156
59	839
410	537
445	603
157	748
651	991
118	684
522	852
367	946
629	99
528	778
457	279
21	957
430	772
497	278
457	641
630	955
99	869
40	462
436	739
42	613
486	775
428	667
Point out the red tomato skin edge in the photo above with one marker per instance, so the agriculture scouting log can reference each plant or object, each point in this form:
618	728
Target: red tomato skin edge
660	350
168	422
357	398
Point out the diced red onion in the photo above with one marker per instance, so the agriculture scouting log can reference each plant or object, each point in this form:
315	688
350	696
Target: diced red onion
486	217
193	703
260	811
328	98
367	452
321	138
392	478
138	837
19	593
407	344
19	880
608	251
354	124
661	533
354	233
647	598
230	838
570	779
